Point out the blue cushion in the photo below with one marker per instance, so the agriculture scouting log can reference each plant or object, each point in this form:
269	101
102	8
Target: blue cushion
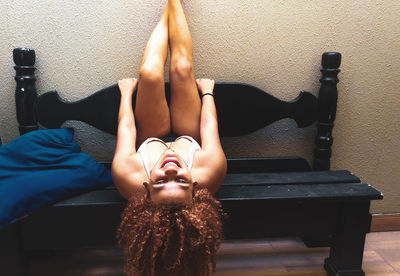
43	167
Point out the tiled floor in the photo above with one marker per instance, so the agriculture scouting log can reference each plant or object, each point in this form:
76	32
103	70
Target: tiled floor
273	257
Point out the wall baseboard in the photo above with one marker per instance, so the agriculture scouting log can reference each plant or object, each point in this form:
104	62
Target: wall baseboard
385	222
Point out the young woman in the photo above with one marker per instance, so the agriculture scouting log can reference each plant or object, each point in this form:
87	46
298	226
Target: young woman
171	225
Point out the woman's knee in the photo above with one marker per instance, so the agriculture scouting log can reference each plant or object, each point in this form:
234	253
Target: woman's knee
181	68
151	73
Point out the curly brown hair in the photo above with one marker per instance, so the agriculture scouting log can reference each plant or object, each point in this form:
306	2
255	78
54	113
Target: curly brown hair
171	240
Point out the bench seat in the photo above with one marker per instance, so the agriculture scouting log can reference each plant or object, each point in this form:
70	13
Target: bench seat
329	208
299	186
277	200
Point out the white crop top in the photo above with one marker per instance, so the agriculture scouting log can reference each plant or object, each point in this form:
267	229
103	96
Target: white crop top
145	156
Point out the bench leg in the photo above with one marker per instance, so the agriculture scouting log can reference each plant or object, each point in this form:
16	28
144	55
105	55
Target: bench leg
12	259
346	254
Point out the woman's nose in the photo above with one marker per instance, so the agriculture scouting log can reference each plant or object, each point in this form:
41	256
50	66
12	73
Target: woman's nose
171	170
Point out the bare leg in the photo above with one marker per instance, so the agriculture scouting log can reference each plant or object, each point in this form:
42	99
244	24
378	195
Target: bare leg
185	102
152	112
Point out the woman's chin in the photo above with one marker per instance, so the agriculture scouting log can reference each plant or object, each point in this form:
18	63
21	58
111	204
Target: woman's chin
172	197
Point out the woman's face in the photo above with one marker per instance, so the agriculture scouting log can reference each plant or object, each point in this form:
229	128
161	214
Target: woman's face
170	180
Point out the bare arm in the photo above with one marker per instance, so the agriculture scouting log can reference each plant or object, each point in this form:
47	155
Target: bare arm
215	170
126	134
125	166
208	116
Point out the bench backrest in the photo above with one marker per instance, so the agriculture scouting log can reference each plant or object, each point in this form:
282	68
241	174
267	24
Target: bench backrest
242	108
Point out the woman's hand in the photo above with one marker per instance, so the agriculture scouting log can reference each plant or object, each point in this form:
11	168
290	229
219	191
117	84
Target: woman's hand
205	85
127	86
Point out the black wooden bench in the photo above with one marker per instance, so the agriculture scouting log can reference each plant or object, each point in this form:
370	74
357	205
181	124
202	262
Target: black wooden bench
264	197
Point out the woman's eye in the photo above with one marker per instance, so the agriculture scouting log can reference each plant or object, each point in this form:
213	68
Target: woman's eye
182	180
161	181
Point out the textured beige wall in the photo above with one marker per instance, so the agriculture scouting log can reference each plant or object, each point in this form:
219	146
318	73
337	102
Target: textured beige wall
83	46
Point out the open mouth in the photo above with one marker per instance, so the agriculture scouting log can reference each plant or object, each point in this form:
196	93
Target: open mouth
170	161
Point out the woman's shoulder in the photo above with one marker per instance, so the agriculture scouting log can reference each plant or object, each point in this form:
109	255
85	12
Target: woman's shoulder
210	159
209	170
128	174
126	163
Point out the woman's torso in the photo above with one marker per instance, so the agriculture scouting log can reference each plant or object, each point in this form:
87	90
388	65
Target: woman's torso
204	169
184	146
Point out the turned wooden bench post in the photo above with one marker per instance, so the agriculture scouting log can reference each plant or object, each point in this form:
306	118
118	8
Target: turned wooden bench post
327	101
13	260
25	92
